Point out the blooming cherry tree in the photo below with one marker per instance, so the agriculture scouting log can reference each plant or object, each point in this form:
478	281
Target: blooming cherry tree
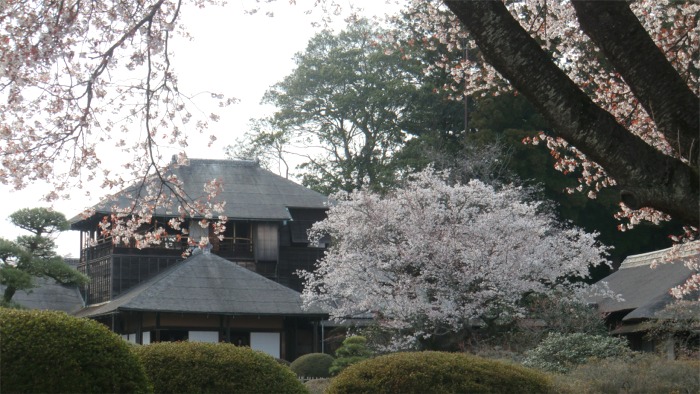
429	257
616	99
617	81
82	78
84	84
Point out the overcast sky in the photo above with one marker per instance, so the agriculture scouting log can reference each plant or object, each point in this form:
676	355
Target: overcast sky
232	53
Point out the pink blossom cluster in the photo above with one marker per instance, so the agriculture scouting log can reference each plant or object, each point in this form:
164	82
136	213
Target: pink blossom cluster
80	77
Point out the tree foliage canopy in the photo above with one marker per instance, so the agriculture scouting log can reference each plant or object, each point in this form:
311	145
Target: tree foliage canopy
76	77
346	109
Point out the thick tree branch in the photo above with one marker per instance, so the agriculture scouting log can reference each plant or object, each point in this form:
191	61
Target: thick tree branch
654	179
675	109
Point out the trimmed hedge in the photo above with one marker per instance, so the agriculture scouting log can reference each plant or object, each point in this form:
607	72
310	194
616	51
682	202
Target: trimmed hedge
193	367
312	365
437	372
51	352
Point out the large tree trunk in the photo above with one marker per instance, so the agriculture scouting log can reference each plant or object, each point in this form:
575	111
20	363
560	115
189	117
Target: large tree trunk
648	177
675	109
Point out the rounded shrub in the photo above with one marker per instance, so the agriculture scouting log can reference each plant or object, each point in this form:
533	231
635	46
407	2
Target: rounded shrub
51	352
437	372
312	365
194	367
562	352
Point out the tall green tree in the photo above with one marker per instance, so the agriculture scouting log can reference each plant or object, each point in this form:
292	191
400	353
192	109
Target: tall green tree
346	109
34	255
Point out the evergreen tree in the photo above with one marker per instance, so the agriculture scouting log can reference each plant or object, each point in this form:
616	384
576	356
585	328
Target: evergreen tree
353	350
34	255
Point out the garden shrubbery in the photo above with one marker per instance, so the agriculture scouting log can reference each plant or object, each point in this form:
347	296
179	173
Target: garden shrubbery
52	352
563	352
646	373
312	365
437	372
318	386
192	367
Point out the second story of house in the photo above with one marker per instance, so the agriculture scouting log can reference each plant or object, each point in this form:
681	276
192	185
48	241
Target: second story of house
266	229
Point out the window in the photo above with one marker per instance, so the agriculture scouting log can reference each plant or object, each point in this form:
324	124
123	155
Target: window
267	242
203	336
238	240
266	342
172	335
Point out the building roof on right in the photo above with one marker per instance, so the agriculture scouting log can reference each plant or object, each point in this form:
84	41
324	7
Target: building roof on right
643	282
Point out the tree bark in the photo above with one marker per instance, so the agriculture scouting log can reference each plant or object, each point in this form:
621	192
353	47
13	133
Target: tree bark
9	293
648	177
675	109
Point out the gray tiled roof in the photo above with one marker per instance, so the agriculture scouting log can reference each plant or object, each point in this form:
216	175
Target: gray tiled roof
250	191
49	295
207	283
644	290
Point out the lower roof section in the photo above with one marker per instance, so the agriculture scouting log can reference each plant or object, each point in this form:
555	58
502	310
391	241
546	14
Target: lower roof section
207	283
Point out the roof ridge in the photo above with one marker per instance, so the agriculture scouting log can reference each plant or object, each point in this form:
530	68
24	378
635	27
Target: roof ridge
647	258
230	162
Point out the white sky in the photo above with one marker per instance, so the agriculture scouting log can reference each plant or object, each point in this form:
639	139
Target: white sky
232	53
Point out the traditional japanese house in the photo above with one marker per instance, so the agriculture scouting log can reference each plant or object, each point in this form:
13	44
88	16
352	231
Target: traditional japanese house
207	298
264	241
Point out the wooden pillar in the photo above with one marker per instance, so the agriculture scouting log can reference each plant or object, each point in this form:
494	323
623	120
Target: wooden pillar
228	328
139	328
315	336
157	338
290	331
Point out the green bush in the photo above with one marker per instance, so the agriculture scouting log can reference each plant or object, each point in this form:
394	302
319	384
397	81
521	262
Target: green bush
51	352
312	365
562	352
642	374
353	350
193	367
437	372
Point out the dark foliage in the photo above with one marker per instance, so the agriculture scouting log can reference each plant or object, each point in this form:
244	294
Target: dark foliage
51	352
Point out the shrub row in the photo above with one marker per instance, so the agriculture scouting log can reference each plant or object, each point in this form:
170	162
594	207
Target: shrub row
645	373
51	352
